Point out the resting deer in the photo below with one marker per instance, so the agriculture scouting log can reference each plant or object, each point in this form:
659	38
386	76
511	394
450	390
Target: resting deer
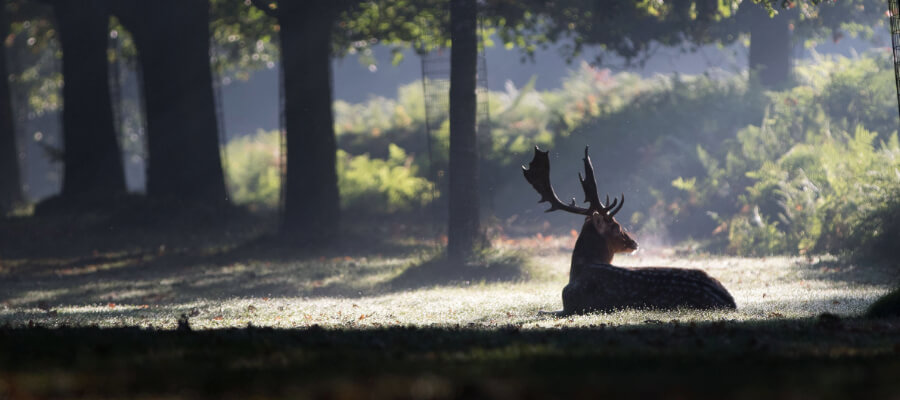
595	284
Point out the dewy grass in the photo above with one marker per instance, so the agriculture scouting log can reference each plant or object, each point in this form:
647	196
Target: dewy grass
355	292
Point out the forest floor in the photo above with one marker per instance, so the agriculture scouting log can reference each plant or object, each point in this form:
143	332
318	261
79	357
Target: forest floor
93	312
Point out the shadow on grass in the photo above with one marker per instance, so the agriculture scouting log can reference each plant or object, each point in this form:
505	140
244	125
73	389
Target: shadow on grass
438	270
57	260
785	358
850	271
888	306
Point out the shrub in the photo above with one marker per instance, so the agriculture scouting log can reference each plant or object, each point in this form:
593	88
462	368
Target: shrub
812	168
816	197
367	185
810	177
372	185
251	169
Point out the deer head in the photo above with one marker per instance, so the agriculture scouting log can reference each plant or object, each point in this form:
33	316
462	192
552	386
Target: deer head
601	236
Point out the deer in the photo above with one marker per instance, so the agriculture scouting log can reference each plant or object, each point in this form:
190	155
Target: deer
595	285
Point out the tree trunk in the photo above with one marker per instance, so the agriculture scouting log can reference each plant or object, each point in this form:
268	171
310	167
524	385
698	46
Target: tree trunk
10	180
172	39
463	230
311	199
92	159
770	46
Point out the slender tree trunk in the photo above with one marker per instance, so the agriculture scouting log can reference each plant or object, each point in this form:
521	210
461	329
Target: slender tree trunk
463	230
312	202
10	180
92	160
770	46
172	38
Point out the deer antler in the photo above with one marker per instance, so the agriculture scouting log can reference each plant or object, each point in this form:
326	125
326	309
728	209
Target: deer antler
612	209
538	175
589	184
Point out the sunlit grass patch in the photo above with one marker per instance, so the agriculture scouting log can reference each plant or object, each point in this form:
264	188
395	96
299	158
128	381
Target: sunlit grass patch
512	287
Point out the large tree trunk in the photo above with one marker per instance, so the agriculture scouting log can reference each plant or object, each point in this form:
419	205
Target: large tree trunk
311	199
92	160
463	230
10	180
770	46
172	39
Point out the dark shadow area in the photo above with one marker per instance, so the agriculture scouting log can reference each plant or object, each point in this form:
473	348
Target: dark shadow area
849	271
233	233
172	259
134	225
888	306
822	358
439	270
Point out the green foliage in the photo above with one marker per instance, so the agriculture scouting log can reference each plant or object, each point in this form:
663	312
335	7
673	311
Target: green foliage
814	197
381	186
367	185
815	176
243	39
708	158
877	236
380	115
33	51
251	169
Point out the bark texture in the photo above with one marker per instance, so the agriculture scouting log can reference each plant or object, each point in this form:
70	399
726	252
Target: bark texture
311	199
92	159
770	46
172	39
463	229
10	179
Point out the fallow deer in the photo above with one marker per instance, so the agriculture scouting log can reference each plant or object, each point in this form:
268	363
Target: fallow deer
595	284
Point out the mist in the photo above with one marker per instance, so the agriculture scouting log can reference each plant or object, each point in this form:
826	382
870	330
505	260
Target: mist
464	199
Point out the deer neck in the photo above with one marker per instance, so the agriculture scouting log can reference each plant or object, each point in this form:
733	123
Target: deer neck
591	247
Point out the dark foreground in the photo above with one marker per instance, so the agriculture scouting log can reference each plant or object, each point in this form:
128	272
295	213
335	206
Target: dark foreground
821	358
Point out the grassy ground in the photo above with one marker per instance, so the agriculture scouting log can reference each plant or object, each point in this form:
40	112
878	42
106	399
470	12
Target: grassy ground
93	312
